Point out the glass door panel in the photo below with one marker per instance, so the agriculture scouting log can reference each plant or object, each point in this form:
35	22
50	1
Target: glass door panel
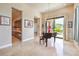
76	25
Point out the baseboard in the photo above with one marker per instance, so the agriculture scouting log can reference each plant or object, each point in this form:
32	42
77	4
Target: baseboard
28	39
5	46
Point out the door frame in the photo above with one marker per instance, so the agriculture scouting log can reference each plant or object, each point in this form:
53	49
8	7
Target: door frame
12	22
38	24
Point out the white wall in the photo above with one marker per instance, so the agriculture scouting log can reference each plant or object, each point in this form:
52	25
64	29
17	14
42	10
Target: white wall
28	33
6	31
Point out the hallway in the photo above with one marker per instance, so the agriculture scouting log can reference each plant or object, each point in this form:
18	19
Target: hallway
33	48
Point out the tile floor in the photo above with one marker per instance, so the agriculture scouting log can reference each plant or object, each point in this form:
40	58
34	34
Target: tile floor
33	48
70	49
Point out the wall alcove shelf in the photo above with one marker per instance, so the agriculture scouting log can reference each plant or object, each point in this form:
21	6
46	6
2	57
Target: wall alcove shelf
17	24
17	29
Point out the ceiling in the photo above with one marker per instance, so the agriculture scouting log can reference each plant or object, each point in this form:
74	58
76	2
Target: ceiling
39	7
43	7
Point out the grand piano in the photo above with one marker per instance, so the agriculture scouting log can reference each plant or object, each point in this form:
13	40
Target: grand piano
46	36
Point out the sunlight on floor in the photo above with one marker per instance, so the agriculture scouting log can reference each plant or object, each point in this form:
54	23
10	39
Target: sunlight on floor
58	45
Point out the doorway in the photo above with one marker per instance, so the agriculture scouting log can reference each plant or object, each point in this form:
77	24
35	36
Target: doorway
36	26
59	27
56	25
16	26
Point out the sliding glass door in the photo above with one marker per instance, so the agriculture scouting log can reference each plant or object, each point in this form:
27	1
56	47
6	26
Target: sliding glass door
59	26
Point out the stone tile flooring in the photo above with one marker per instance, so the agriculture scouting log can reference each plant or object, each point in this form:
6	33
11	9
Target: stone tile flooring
33	48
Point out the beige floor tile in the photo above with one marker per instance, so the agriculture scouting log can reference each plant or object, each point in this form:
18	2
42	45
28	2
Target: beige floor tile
33	48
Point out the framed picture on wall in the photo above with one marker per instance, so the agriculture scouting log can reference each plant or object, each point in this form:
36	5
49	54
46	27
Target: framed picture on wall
28	23
4	20
70	25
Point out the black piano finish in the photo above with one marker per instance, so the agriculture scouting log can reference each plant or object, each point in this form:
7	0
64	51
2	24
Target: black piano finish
46	36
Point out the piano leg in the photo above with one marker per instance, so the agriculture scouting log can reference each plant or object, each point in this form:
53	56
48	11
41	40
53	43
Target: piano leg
46	42
41	38
54	39
43	41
